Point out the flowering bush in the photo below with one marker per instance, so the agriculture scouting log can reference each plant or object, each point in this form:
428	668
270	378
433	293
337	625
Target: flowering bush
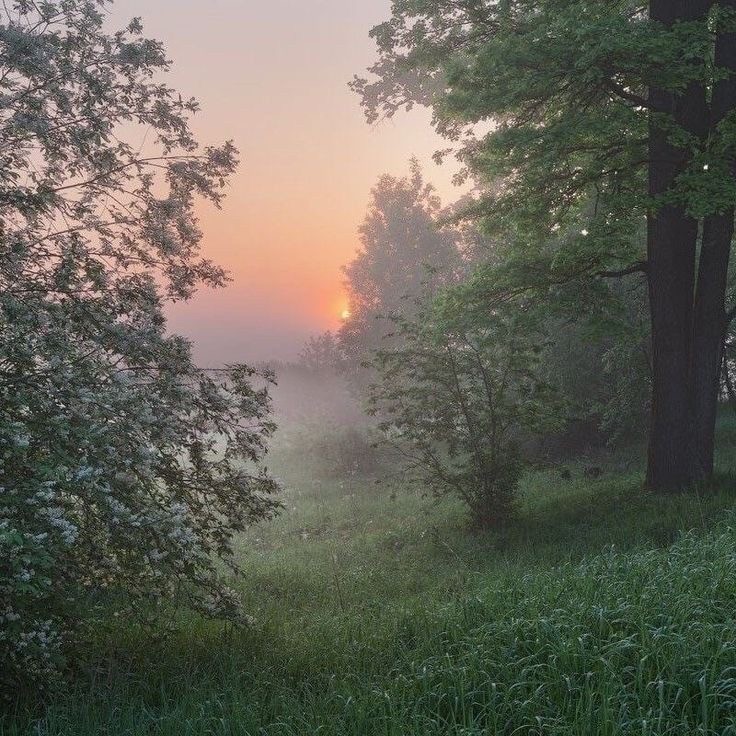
124	468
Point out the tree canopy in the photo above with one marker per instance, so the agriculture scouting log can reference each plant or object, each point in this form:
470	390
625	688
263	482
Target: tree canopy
593	122
123	466
404	253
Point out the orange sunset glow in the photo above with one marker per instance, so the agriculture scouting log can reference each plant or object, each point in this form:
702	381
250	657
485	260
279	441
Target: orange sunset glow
273	77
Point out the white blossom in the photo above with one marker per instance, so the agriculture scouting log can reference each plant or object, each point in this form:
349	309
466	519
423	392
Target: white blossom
109	476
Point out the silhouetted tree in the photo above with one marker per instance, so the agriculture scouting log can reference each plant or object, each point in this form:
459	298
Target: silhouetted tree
405	252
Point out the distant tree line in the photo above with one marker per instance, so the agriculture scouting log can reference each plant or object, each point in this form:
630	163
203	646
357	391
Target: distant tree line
601	137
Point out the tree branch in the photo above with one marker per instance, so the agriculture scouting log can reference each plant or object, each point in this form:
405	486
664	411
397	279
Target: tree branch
638	267
622	92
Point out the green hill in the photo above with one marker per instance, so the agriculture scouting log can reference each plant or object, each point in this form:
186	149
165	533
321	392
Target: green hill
601	611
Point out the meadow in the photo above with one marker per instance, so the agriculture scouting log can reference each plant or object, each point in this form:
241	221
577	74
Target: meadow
601	610
541	278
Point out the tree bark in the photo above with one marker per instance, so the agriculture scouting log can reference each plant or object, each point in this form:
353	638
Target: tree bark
710	299
710	326
671	245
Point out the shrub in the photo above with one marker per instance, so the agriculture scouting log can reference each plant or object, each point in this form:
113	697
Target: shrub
457	395
125	471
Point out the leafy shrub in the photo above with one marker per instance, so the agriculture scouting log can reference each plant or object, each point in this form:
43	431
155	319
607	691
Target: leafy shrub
29	639
456	396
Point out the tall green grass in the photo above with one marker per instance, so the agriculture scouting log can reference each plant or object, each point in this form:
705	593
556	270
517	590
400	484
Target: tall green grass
602	610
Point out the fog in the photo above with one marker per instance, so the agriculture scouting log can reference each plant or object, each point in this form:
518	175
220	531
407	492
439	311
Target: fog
367	367
273	77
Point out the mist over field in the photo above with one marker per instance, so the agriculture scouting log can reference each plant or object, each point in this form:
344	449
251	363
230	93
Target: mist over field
384	386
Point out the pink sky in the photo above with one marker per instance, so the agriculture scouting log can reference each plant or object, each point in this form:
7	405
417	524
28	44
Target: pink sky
273	76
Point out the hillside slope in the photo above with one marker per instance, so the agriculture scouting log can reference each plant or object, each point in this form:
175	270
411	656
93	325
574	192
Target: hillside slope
601	611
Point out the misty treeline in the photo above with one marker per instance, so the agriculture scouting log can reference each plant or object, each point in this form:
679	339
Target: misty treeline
579	295
600	138
459	395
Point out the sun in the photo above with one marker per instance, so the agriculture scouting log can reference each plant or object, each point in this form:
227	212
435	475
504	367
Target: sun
346	314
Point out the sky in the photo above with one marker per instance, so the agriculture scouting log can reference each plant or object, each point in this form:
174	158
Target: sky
272	75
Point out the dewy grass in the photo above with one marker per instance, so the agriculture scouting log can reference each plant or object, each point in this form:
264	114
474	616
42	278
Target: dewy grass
600	611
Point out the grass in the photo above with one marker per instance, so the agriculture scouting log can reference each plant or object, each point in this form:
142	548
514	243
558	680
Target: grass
602	610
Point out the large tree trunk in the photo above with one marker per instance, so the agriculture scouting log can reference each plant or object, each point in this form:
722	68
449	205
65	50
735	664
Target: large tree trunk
710	325
710	300
671	245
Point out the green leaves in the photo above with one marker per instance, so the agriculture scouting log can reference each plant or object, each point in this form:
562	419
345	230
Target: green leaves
125	469
457	395
562	85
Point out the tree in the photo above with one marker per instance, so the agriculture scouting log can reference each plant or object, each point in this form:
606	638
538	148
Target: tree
404	252
321	354
604	114
456	395
125	470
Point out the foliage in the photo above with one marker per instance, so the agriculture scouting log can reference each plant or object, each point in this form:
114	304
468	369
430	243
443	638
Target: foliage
562	188
563	85
124	468
543	75
456	394
575	614
601	363
625	405
322	354
405	252
585	119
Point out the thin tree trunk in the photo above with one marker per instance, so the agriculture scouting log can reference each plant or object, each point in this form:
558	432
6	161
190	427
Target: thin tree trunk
710	300
671	245
730	391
